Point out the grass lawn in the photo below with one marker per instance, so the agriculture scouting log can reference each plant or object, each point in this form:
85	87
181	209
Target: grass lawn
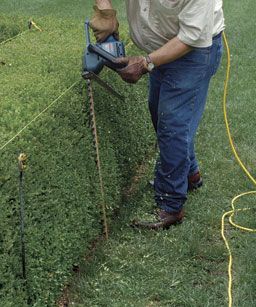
185	266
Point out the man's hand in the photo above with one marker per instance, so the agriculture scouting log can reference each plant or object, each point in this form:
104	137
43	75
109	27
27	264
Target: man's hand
136	67
104	23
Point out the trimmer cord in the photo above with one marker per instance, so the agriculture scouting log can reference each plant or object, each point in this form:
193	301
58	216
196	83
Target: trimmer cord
234	210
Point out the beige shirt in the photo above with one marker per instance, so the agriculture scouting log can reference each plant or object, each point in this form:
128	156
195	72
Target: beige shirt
154	22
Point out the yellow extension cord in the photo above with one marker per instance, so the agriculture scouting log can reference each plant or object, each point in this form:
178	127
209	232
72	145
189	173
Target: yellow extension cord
233	211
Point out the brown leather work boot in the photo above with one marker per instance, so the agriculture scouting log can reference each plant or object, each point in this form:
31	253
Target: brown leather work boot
164	221
195	181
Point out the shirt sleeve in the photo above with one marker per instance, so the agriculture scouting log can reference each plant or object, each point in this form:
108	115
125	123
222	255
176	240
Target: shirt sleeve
196	22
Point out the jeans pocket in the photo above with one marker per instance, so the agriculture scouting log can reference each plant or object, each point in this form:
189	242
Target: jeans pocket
198	56
218	57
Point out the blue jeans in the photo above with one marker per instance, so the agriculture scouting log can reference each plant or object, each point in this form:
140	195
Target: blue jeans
177	96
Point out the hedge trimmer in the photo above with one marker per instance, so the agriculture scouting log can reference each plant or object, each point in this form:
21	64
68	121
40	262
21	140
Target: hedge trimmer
96	56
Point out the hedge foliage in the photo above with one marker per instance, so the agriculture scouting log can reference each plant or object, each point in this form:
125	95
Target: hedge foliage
11	26
62	198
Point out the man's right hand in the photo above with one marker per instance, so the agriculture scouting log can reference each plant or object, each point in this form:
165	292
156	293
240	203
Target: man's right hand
104	23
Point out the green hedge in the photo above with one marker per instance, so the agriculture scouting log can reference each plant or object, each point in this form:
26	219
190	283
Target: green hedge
11	26
62	196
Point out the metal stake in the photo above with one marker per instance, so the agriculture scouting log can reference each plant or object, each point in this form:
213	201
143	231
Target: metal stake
22	165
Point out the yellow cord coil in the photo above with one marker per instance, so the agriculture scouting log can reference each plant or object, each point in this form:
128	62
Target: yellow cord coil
231	213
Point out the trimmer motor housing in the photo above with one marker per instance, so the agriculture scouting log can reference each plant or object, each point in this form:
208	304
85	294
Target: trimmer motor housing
98	55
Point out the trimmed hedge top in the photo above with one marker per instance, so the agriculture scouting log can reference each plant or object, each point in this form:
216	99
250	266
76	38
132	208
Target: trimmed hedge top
62	201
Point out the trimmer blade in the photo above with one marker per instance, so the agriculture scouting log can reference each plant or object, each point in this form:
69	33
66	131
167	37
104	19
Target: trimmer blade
109	88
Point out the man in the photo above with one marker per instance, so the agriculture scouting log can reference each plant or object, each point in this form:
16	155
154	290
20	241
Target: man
183	41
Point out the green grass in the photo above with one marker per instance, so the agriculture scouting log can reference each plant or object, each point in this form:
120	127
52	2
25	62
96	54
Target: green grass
185	266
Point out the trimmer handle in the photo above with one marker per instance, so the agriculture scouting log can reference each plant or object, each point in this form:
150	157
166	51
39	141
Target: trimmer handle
111	60
109	51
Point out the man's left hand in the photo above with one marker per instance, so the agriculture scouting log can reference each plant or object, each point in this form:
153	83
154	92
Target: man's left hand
136	66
